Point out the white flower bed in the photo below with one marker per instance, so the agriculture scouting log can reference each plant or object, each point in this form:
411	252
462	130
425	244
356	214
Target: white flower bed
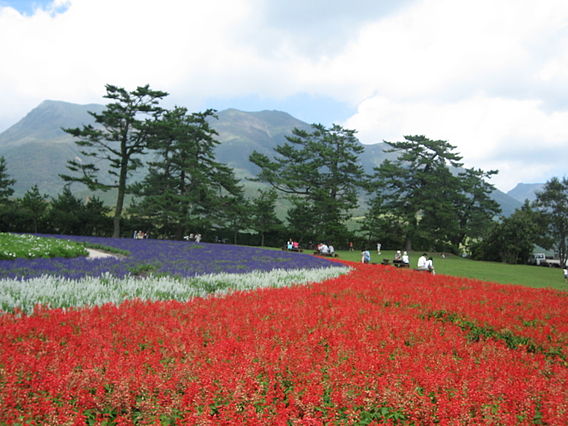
56	292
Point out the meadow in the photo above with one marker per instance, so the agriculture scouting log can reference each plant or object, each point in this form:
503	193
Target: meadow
364	344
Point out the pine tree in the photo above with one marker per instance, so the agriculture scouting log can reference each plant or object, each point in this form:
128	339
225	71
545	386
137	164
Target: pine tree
263	214
186	189
320	171
418	187
65	215
118	140
552	202
6	190
34	208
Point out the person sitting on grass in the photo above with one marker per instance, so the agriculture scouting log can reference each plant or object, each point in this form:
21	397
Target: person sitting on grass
289	245
405	259
365	256
422	263
430	265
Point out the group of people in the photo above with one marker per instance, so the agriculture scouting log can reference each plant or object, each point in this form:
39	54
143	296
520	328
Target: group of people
292	245
139	235
426	263
193	237
325	249
402	259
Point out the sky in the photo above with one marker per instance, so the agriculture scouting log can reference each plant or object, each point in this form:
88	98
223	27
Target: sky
488	76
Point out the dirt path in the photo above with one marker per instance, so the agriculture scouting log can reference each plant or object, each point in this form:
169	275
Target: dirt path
98	254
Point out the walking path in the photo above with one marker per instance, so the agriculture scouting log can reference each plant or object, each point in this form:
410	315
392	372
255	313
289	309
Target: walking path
97	254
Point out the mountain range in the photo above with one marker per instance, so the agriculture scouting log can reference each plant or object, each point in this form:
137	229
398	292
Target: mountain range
36	148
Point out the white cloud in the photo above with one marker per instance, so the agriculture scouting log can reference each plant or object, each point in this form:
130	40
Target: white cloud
487	76
490	133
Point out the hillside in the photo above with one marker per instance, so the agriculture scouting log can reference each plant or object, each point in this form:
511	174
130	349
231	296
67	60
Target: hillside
44	123
525	191
37	150
241	133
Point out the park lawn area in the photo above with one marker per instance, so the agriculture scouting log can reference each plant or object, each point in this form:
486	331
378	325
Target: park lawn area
14	246
527	275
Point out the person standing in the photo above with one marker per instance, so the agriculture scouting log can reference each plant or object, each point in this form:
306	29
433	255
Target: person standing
378	249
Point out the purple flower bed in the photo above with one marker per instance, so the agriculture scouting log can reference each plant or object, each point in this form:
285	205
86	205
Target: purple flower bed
178	258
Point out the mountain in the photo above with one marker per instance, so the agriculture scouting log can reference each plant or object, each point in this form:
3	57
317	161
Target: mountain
525	191
508	204
241	133
37	150
44	123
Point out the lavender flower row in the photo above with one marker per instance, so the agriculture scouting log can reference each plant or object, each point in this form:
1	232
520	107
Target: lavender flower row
161	257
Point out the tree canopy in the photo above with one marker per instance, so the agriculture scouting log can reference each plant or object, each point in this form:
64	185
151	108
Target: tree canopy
185	188
552	202
320	171
512	239
436	205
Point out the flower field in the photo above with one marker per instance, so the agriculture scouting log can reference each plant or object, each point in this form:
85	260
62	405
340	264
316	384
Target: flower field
376	345
174	258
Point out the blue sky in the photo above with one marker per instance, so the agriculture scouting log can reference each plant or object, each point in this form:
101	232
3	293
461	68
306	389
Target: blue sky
26	6
489	77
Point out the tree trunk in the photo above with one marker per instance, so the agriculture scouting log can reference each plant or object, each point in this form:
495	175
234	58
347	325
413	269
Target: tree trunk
179	232
120	198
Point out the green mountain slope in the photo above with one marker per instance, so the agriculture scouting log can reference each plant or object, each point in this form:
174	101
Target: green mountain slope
44	123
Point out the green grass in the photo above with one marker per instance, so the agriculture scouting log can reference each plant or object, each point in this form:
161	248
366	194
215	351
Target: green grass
527	275
13	246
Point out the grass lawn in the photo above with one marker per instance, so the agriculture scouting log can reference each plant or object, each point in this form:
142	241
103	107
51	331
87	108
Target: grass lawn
13	246
531	276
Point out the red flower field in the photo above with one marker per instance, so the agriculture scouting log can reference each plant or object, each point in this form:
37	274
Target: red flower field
378	345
